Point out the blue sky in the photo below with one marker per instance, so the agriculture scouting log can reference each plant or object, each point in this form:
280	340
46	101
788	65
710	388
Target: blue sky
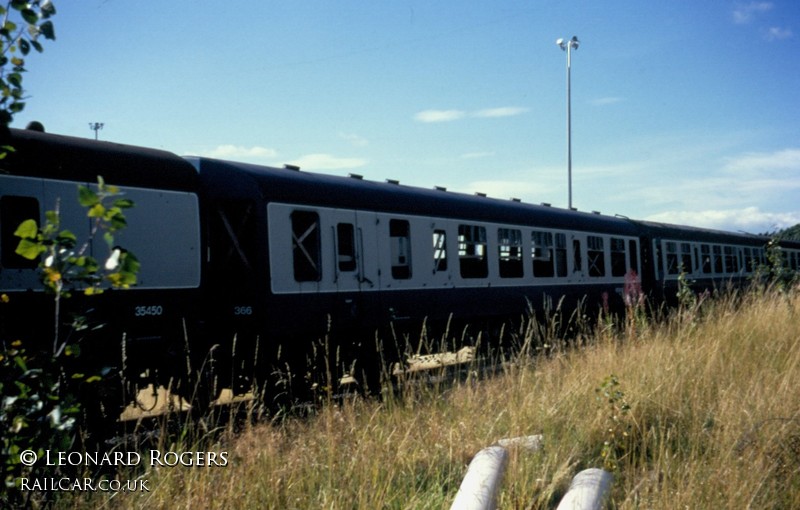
683	111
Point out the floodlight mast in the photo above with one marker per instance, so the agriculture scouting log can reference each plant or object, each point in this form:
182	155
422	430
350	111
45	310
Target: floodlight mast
568	46
96	127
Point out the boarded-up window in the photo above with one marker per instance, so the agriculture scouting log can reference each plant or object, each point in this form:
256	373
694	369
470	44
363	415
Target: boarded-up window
596	254
306	246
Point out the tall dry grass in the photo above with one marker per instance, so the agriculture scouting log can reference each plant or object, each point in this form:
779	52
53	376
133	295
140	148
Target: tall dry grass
699	411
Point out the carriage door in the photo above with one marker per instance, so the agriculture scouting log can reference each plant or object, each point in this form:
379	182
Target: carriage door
233	259
354	245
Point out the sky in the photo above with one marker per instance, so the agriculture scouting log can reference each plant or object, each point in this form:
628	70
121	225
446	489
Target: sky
683	111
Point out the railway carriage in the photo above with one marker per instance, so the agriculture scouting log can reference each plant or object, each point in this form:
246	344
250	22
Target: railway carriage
247	269
142	330
318	256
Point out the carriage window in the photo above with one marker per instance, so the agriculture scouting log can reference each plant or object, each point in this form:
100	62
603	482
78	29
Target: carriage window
472	251
542	254
657	259
731	265
439	251
672	257
748	260
618	257
577	261
13	211
561	255
346	247
400	241
705	253
509	243
306	246
717	252
596	256
686	258
634	255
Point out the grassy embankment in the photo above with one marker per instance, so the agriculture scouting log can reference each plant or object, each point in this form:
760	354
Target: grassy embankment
698	411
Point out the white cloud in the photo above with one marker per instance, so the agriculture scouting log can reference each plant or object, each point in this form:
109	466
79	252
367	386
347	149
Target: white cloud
778	34
354	139
327	162
476	155
744	13
438	115
505	111
747	219
786	159
486	113
239	153
602	101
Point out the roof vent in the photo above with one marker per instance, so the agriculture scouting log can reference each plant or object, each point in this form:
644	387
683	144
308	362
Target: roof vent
35	125
292	167
595	212
479	194
392	181
440	188
357	176
513	199
546	204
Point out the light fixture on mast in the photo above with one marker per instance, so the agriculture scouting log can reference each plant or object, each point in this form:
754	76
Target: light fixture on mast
568	46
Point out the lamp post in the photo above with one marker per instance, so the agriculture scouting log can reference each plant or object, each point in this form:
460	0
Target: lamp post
568	46
95	126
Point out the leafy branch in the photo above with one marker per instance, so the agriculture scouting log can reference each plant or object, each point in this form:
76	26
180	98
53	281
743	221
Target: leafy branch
67	266
17	39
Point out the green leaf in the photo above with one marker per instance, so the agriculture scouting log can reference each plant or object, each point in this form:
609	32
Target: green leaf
123	203
29	249
47	30
97	211
67	237
15	79
16	107
24	46
87	197
28	229
118	222
30	16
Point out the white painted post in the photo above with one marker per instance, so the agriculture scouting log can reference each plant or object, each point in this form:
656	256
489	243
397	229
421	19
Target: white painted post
587	490
484	474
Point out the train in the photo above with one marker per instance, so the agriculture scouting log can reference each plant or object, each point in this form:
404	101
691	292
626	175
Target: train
249	271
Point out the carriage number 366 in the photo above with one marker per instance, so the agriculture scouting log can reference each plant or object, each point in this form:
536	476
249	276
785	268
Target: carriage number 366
149	311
